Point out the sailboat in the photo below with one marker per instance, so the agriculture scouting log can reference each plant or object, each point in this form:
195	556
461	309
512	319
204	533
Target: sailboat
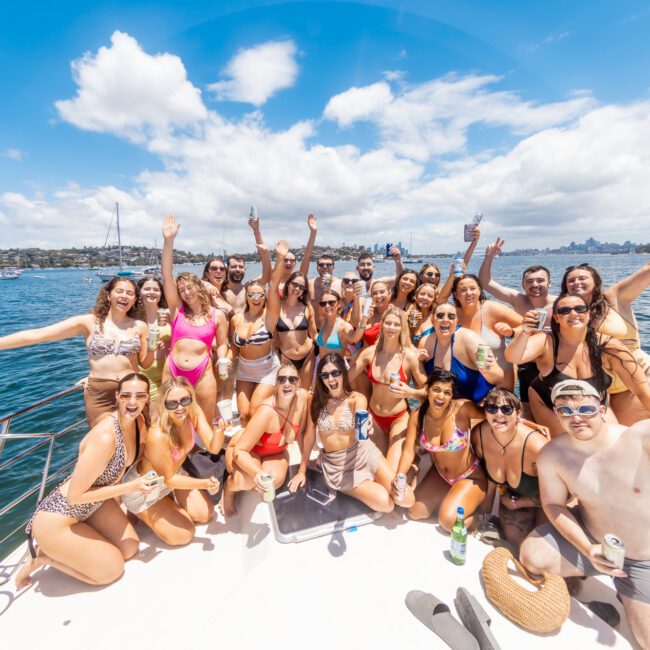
146	272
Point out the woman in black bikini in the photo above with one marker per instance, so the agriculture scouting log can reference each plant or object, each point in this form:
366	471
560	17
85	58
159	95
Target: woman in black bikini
507	449
572	350
296	328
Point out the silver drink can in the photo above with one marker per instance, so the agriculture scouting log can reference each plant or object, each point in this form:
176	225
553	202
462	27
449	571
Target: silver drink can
253	214
361	425
153	338
394	379
413	317
458	266
401	486
269	494
161	315
481	355
613	549
542	318
326	281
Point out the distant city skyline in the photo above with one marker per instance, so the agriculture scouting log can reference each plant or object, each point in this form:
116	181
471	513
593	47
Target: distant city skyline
386	121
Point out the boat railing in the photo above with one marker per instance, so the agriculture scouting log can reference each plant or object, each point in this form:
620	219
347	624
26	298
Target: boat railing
42	440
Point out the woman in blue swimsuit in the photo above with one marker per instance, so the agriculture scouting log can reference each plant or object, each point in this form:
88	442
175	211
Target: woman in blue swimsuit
426	298
336	334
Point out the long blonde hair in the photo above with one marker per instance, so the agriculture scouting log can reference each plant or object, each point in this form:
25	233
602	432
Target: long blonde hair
204	298
164	421
404	329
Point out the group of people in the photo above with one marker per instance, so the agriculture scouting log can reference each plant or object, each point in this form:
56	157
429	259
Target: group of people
435	364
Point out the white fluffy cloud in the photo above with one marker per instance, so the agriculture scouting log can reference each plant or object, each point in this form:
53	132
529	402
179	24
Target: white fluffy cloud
256	74
575	169
125	91
13	154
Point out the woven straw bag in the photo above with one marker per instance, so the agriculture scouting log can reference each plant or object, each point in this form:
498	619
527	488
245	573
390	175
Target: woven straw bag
542	610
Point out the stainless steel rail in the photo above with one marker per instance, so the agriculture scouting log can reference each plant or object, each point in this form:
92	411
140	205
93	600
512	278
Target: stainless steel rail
45	440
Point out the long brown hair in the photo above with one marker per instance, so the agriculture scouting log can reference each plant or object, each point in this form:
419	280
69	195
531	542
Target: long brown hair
599	305
164	421
321	392
103	303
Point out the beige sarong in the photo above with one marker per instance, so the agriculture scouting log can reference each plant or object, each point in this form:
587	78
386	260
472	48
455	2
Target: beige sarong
347	468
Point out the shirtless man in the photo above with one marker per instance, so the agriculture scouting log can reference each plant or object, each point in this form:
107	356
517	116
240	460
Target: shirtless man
290	260
324	266
607	468
535	282
366	268
235	294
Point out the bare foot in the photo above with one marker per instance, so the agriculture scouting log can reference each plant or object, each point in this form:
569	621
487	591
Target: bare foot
23	576
227	505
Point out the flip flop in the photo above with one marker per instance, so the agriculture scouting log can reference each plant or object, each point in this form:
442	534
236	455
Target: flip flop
475	619
433	613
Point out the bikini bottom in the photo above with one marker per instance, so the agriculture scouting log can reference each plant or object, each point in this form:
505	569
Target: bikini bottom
386	421
191	374
297	363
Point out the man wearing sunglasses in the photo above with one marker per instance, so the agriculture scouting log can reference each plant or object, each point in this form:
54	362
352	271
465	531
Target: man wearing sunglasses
366	268
607	467
535	282
324	267
235	294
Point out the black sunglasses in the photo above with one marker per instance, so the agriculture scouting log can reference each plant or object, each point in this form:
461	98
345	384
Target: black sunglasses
431	274
349	281
283	379
324	264
450	315
172	404
493	409
325	303
332	373
578	309
297	285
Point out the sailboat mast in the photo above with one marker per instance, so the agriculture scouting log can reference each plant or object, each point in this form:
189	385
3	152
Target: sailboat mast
119	239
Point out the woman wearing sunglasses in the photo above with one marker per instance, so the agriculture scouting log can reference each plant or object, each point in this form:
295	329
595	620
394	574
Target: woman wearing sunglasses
573	350
354	467
441	428
336	334
172	508
79	527
456	350
392	356
507	448
403	293
290	260
197	327
215	280
430	273
612	314
491	320
261	449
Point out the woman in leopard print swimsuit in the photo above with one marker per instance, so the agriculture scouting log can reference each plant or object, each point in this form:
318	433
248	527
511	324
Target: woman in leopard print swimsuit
79	527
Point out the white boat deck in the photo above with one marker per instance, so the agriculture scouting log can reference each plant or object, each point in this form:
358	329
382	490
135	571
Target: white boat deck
236	586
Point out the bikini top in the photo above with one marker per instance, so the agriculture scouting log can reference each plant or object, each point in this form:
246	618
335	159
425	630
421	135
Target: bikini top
272	442
402	374
102	346
117	463
416	338
326	419
528	484
332	343
302	326
259	337
177	452
469	383
371	333
458	440
543	385
184	329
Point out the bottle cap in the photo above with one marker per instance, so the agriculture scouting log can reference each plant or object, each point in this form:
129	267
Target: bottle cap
460	510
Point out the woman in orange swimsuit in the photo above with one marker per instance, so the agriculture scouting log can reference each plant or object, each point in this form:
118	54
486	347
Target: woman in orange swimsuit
262	447
441	428
392	354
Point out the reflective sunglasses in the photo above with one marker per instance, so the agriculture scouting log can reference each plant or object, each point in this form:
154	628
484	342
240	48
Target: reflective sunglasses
325	303
578	309
332	373
449	316
585	410
172	404
493	409
325	264
256	294
138	396
283	379
297	285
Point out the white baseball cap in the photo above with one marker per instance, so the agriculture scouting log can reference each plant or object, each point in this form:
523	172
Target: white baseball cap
574	387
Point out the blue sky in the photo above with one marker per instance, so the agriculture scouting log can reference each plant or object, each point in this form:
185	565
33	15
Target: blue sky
383	118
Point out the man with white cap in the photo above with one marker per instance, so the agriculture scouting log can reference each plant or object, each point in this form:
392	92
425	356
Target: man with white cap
607	468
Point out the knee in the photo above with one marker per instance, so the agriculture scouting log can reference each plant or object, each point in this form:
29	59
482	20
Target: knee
533	554
129	547
418	512
109	571
385	505
203	515
179	536
447	518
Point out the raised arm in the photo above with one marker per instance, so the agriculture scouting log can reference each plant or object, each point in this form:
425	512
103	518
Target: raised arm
485	275
306	260
170	230
273	302
445	291
476	235
265	256
74	326
628	289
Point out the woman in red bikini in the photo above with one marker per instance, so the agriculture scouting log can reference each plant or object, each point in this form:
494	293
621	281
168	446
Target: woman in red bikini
391	354
262	447
441	428
380	296
197	327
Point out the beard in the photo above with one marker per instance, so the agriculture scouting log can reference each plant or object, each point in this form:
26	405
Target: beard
236	276
366	274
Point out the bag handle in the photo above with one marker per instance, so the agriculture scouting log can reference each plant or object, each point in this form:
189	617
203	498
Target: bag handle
507	555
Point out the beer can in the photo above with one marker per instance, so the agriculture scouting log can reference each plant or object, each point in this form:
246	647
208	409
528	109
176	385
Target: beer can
269	493
613	550
253	214
367	303
394	379
326	281
542	319
458	266
481	355
361	425
152	339
413	317
222	366
161	315
388	247
401	486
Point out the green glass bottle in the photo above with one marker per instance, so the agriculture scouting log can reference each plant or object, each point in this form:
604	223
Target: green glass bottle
459	538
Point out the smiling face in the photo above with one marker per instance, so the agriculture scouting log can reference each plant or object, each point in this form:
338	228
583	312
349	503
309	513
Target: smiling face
333	384
467	292
445	319
216	272
236	269
426	297
255	296
296	287
150	292
440	395
380	294
287	382
132	397
391	326
407	282
431	274
290	262
123	296
500	421
325	266
572	319
366	268
328	305
180	400
580	282
536	283
188	293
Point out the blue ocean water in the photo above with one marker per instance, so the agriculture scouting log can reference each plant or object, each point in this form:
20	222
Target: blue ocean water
30	374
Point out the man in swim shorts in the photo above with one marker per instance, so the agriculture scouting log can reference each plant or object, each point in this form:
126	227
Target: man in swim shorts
607	468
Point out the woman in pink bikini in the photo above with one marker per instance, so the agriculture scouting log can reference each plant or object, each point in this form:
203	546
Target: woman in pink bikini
172	508
262	447
197	327
392	354
441	427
